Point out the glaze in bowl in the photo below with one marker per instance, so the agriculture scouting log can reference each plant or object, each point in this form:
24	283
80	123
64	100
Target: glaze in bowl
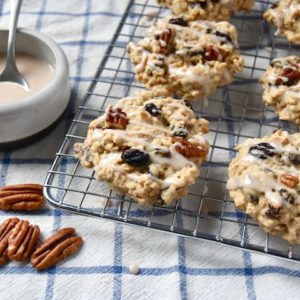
23	118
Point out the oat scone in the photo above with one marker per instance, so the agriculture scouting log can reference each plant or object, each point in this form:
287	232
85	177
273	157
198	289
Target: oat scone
187	59
281	84
147	147
284	14
214	10
264	182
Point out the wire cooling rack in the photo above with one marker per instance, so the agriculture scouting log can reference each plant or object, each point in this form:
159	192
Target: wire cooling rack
235	113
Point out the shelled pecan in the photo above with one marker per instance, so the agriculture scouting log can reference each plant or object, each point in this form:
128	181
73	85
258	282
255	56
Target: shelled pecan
116	118
21	197
22	241
5	231
289	180
54	250
187	148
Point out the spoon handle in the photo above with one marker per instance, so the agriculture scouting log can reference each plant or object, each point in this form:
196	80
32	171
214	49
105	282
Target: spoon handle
15	6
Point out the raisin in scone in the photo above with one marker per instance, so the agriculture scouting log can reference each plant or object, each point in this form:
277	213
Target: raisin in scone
187	59
147	147
264	182
215	10
284	14
281	84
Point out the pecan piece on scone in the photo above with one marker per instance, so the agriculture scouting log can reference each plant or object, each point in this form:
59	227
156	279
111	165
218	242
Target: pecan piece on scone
289	180
22	241
187	148
54	250
289	76
21	197
5	230
116	118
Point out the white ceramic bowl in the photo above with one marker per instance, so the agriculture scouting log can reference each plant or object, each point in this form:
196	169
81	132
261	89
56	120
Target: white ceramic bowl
28	116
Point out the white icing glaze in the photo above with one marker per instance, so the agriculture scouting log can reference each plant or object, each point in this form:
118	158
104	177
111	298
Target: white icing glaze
177	161
111	157
173	180
154	127
189	75
265	184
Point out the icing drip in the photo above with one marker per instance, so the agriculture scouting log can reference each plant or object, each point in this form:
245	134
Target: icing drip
111	159
265	184
177	161
189	75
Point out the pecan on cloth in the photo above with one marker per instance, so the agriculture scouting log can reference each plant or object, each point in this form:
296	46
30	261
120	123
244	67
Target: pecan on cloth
54	250
22	241
5	231
21	197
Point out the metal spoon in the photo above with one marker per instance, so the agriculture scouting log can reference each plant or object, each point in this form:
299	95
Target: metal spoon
11	72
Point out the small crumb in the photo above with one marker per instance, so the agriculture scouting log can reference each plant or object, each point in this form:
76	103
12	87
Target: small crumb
134	269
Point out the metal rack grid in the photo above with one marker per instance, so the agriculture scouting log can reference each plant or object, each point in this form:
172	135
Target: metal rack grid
235	113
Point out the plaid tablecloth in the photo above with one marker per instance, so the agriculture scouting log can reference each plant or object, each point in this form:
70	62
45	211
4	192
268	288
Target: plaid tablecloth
171	267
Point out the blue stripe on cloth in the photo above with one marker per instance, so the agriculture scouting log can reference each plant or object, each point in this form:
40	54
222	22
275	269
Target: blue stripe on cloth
181	260
214	272
182	268
39	19
118	247
231	141
56	225
51	272
117	268
81	52
4	169
58	213
1	6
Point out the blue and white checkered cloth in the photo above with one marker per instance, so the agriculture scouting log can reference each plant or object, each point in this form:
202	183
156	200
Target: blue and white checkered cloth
171	267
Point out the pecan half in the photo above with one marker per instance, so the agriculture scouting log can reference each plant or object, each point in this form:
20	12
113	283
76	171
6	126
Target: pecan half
22	241
187	148
212	53
289	180
5	230
289	76
116	118
21	197
54	250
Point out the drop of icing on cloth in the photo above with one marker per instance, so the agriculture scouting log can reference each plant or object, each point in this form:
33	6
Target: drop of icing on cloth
134	269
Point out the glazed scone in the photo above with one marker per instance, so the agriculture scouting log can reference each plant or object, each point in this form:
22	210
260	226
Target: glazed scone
214	10
187	59
281	84
147	147
264	182
284	14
